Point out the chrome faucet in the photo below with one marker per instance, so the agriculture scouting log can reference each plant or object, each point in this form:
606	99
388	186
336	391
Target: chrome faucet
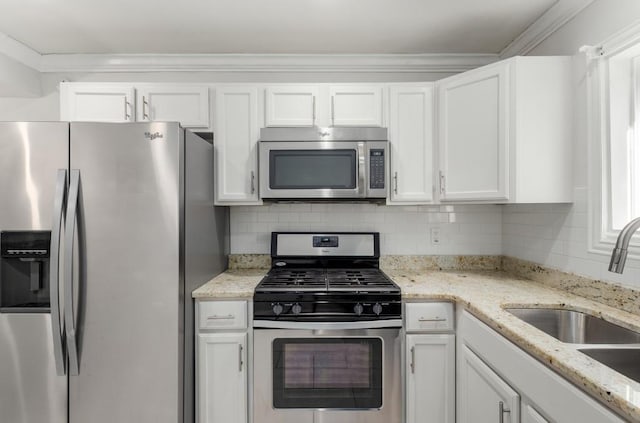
619	253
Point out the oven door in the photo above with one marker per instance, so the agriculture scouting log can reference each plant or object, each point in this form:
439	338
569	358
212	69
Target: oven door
332	376
312	169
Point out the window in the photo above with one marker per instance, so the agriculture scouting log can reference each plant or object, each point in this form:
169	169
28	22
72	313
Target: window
614	128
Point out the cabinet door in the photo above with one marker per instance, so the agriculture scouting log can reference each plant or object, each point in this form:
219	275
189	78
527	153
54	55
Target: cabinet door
222	378
430	378
473	131
291	105
530	415
356	105
188	105
235	144
411	143
81	102
483	395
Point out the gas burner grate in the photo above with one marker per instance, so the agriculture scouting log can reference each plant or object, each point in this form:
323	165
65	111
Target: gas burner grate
358	280
326	280
294	280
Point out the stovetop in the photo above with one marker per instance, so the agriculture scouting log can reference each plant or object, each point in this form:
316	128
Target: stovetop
326	280
326	277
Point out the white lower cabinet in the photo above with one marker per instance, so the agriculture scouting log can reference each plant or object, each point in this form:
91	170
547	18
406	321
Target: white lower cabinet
430	378
483	395
222	362
222	388
530	415
430	351
491	370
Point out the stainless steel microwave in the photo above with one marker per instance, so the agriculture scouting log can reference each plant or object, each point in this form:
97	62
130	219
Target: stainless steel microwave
323	163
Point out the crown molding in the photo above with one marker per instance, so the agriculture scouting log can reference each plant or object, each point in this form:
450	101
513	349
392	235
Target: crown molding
19	52
550	21
368	63
622	40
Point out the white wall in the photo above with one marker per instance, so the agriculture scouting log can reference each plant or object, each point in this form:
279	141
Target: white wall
557	235
404	230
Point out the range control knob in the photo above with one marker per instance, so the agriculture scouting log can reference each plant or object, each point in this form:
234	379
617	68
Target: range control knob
358	309
296	308
277	309
377	309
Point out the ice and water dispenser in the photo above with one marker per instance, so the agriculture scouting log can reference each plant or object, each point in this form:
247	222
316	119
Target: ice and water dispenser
24	271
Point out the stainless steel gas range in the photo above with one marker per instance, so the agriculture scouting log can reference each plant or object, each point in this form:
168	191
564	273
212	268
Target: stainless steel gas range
327	327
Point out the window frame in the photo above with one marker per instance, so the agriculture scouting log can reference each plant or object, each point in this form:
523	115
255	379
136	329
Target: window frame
602	236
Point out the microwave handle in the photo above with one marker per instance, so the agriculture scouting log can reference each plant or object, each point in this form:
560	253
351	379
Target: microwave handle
362	161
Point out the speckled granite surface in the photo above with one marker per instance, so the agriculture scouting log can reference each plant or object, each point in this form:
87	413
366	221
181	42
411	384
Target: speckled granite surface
442	262
485	293
231	284
249	261
607	293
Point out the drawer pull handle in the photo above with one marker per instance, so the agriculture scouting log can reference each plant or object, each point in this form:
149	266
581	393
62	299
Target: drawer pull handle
501	411
434	319
413	359
216	317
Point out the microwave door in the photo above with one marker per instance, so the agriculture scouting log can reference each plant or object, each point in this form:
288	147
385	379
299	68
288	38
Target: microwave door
312	169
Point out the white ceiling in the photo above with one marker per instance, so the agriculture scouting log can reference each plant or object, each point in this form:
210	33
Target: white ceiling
268	26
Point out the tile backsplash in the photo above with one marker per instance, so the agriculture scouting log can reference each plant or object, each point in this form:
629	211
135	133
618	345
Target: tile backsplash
404	230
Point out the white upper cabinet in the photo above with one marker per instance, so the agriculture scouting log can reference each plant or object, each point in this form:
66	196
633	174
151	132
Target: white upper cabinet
505	132
188	105
236	151
291	105
356	105
473	135
323	105
97	102
109	102
411	133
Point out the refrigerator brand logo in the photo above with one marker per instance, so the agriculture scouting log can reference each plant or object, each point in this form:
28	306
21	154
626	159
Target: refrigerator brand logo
153	136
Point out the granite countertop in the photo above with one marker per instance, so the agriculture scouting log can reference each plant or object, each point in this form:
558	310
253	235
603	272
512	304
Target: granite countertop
485	294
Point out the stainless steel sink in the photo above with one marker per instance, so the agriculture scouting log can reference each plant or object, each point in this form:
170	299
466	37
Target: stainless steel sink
575	327
622	360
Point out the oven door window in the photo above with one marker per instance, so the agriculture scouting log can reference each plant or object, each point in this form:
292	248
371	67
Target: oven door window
343	373
313	169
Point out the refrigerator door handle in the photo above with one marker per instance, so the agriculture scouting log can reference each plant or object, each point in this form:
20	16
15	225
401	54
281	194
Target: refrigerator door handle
72	211
59	202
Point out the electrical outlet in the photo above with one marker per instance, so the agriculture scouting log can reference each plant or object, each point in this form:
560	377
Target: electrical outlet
435	236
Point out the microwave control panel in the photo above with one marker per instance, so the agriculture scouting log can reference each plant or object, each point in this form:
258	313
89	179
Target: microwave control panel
376	168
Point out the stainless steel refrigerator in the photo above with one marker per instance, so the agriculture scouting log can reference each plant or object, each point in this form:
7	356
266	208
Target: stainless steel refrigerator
106	230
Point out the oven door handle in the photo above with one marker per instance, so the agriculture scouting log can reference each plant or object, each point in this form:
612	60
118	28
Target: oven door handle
374	324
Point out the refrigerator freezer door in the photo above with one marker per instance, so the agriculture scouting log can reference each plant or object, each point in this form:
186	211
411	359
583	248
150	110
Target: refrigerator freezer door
128	281
30	156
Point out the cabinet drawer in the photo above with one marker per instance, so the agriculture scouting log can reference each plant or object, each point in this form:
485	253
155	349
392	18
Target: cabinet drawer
422	317
223	315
